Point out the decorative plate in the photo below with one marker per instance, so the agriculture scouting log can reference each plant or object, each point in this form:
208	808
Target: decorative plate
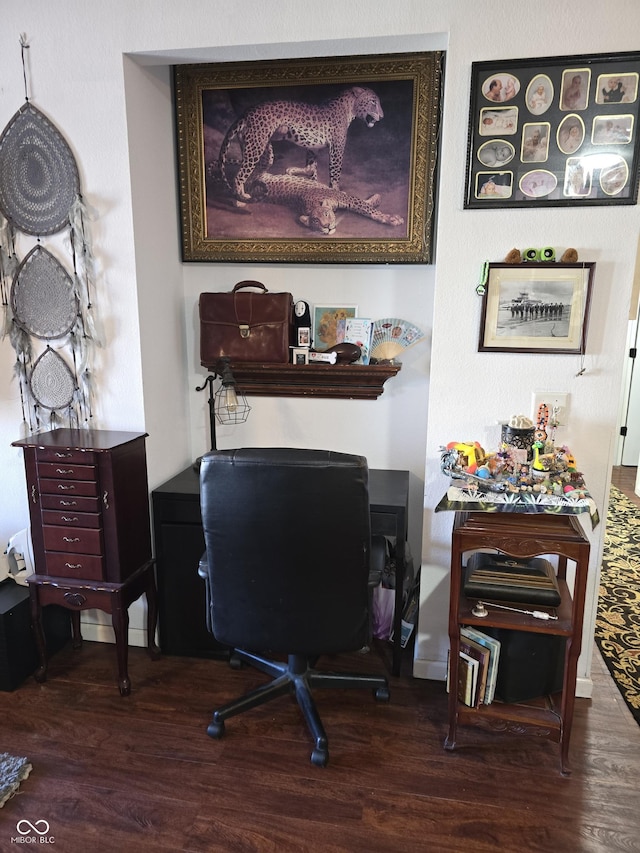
39	179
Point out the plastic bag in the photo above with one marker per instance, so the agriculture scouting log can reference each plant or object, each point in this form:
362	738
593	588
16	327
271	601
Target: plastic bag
382	616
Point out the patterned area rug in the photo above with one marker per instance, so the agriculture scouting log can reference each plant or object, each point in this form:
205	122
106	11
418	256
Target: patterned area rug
618	618
13	770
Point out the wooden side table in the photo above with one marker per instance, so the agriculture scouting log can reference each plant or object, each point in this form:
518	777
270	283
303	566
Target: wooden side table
521	535
113	598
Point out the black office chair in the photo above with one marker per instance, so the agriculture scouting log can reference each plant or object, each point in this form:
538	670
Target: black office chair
287	566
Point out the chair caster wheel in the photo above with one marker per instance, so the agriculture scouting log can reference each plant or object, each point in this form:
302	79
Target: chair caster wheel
382	694
215	730
235	662
320	757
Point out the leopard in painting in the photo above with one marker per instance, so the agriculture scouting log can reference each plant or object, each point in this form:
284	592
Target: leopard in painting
310	126
315	203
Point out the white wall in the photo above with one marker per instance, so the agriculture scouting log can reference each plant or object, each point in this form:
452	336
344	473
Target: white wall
99	71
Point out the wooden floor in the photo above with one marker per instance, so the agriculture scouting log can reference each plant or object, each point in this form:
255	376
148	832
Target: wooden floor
624	478
140	773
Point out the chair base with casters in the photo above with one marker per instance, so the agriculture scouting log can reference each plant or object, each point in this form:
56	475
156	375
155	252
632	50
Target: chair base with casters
295	676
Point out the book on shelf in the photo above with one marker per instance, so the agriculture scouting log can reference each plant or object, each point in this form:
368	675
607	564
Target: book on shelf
469	683
493	646
482	655
465	678
503	578
358	330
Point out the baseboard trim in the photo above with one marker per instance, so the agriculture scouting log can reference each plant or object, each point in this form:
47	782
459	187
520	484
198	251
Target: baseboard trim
104	634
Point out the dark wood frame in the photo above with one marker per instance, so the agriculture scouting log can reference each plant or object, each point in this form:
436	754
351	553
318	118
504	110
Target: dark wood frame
406	139
515	277
560	172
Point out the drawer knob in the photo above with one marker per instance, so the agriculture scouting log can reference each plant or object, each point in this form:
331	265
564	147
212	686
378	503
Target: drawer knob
77	599
70	538
68	503
66	487
62	455
64	470
70	519
73	565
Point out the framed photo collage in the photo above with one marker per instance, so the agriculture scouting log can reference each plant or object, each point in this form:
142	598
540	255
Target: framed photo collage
559	131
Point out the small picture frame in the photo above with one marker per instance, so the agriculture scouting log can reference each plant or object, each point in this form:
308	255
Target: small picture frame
303	334
300	355
329	323
536	308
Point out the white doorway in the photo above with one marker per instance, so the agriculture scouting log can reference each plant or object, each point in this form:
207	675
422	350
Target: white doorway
630	442
628	450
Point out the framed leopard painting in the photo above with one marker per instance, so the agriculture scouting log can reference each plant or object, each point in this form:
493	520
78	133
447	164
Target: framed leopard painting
323	160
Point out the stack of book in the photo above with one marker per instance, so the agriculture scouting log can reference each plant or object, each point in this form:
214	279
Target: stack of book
477	667
501	578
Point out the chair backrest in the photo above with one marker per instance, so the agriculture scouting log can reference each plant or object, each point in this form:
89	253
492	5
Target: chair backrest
288	535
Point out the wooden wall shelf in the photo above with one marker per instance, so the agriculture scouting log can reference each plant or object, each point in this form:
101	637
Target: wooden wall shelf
347	381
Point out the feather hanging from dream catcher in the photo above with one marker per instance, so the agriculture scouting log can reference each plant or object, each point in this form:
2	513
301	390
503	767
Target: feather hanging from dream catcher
391	336
40	196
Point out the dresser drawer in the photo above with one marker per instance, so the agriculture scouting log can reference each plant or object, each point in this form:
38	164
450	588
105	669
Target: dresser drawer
70	503
65	518
59	454
80	566
66	471
75	540
76	487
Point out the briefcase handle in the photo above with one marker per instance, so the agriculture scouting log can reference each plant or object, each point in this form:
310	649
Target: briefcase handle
242	284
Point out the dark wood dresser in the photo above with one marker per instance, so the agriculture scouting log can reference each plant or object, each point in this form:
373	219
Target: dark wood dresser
90	528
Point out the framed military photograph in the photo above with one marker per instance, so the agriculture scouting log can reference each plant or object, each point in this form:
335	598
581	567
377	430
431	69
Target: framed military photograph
536	308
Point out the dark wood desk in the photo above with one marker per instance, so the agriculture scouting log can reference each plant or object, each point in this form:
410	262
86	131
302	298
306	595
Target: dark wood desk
179	544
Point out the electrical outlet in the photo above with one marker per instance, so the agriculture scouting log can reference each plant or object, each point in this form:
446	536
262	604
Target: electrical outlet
552	399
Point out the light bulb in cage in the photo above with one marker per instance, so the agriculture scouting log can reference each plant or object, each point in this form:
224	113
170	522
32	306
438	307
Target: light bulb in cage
228	405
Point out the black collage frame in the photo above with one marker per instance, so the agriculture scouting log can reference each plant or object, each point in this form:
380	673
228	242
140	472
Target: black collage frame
552	132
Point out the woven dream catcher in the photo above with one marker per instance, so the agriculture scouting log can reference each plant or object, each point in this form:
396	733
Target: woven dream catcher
43	300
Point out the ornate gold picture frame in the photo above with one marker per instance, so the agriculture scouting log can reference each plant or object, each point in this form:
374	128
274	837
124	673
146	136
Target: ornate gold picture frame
323	160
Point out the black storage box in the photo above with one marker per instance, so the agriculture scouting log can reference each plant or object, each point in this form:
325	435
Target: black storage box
18	652
530	665
501	578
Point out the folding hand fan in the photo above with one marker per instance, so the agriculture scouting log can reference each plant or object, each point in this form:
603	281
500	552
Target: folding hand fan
391	336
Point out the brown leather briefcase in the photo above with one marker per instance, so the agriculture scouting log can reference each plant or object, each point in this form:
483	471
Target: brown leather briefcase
245	326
